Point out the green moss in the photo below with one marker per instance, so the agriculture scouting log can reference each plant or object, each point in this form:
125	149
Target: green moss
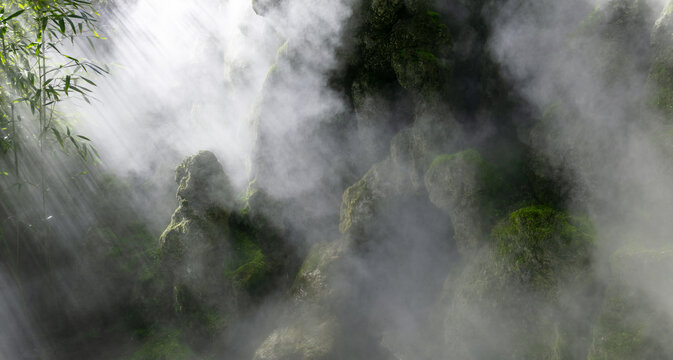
629	328
420	54
469	155
661	76
538	245
249	269
354	197
166	344
513	289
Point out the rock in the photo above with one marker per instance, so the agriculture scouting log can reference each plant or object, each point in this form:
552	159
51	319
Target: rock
613	41
517	298
635	320
542	247
263	7
312	282
384	13
455	184
362	201
415	6
314	340
202	184
435	131
380	114
661	72
166	344
215	261
198	227
420	52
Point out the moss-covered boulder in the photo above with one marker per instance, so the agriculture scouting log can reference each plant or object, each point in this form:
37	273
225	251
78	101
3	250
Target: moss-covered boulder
541	247
635	320
400	174
516	299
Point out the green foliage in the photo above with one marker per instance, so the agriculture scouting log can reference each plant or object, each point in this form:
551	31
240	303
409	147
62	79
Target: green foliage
36	74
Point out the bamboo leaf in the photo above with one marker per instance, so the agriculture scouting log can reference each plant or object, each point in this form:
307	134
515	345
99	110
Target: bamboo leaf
12	16
61	25
58	137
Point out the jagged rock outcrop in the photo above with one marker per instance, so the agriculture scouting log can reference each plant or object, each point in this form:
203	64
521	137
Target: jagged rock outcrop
216	260
195	243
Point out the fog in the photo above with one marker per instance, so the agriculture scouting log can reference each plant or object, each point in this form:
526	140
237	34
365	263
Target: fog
271	95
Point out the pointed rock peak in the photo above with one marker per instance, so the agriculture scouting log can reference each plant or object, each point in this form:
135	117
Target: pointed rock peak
202	183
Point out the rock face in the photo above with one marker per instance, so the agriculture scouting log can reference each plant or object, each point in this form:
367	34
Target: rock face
301	342
454	238
195	243
455	184
661	72
217	261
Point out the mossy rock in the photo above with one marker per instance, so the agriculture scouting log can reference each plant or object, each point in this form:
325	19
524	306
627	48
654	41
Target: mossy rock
631	327
384	13
635	322
517	298
362	201
214	260
198	227
421	52
541	246
416	6
166	344
614	39
312	281
661	73
203	183
453	180
457	183
434	131
314	340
